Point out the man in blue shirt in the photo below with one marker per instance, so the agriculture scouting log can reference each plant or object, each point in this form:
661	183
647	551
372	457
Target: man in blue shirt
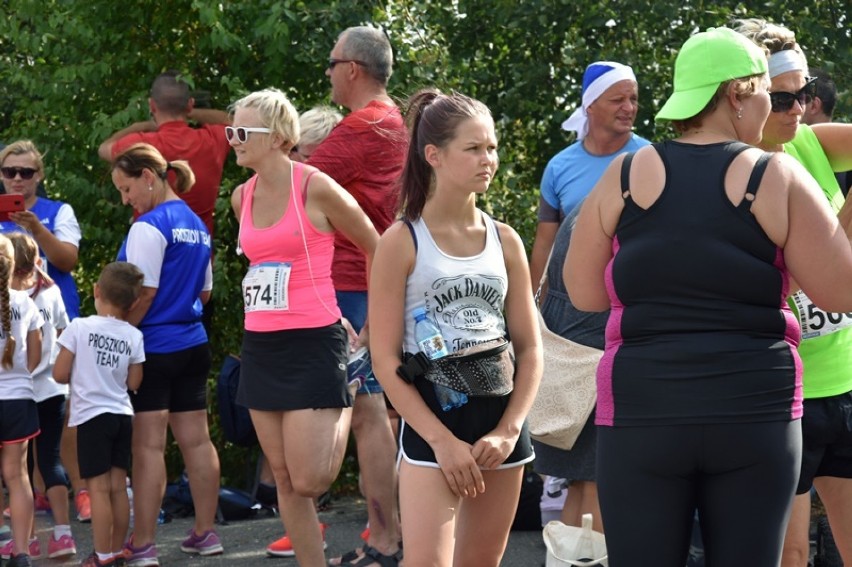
604	126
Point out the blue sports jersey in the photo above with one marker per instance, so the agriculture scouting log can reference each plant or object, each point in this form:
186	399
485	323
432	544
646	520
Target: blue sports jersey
173	322
45	210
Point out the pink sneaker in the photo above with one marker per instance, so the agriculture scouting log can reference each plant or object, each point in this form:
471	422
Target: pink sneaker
41	503
8	548
61	547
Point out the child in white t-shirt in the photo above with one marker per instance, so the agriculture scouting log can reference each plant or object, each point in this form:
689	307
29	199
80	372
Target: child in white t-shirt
102	355
49	396
20	344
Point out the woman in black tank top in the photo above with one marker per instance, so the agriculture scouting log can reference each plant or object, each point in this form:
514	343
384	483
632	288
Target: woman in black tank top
699	389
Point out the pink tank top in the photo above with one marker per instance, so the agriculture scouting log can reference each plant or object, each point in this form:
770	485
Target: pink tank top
288	285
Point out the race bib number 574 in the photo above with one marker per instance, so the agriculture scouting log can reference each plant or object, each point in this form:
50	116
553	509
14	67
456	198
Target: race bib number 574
265	287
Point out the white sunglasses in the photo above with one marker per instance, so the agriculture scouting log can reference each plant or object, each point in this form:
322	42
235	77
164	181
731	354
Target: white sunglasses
242	133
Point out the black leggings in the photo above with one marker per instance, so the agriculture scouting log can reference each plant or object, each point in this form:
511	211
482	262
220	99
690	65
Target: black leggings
740	477
51	417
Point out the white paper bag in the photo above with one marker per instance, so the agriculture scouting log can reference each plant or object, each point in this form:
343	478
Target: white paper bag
577	547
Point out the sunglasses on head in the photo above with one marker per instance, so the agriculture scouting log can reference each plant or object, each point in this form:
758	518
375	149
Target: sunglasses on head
25	172
783	101
242	133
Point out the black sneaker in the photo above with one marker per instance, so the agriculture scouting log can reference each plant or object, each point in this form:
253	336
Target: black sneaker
20	560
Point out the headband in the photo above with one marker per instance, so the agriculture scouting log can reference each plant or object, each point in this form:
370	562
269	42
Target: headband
785	61
597	79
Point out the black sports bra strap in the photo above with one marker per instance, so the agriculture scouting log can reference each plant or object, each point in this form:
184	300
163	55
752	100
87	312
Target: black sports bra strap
755	179
411	230
625	176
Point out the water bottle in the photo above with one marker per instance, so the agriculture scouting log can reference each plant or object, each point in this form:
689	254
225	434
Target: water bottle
431	343
129	498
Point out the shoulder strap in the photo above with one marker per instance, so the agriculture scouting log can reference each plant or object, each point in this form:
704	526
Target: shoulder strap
243	189
411	230
305	186
754	180
494	226
625	176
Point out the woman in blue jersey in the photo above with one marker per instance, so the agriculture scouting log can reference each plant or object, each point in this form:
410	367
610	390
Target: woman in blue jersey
692	245
826	347
54	227
51	223
171	246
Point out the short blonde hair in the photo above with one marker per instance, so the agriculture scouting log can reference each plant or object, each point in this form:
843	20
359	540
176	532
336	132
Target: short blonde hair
22	147
317	123
276	112
743	88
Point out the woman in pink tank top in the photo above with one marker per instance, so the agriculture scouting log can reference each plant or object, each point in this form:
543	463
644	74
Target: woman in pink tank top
293	377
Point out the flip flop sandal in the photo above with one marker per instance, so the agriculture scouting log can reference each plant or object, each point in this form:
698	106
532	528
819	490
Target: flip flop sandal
351	556
371	556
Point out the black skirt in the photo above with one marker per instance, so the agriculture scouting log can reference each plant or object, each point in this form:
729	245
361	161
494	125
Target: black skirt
294	369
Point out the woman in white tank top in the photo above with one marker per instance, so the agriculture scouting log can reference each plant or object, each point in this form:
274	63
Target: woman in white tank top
461	472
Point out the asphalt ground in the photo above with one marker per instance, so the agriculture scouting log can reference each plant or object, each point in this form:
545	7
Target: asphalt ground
245	541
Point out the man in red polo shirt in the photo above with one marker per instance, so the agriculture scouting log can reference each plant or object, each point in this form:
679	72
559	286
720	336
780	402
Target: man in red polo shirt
205	147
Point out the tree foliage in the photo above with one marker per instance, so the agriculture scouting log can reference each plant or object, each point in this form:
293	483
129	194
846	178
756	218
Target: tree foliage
73	71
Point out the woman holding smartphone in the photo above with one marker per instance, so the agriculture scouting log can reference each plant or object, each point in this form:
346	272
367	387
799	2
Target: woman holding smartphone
51	223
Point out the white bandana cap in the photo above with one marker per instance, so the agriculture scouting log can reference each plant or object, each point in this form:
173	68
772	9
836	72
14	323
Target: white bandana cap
599	76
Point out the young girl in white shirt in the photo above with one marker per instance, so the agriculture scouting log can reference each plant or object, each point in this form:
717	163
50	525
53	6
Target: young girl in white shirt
20	343
50	397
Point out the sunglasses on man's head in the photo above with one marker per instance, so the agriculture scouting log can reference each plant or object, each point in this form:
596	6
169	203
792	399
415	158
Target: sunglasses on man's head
242	133
25	172
782	101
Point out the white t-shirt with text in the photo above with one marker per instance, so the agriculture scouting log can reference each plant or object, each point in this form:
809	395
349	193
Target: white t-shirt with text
103	348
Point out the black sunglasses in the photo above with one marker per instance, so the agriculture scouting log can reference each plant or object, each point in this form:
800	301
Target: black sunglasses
783	101
333	62
26	173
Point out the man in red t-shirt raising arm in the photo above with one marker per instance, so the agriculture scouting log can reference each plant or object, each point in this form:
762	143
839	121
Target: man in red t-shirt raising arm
365	153
205	147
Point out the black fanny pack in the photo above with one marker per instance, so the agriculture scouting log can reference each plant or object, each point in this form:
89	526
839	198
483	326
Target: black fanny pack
485	369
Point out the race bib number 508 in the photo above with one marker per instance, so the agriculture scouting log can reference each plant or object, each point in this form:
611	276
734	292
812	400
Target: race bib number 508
817	323
265	287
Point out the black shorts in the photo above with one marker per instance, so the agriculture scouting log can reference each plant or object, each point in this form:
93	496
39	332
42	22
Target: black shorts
18	421
826	439
103	443
175	381
469	423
